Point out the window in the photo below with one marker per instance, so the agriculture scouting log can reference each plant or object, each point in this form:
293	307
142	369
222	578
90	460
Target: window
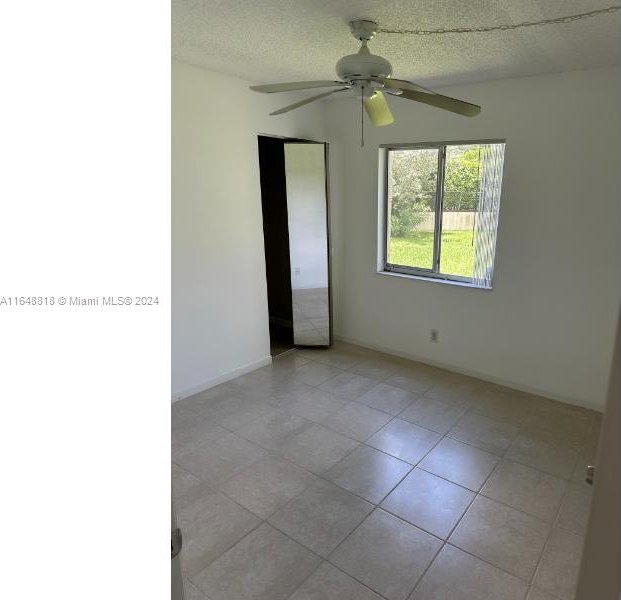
441	213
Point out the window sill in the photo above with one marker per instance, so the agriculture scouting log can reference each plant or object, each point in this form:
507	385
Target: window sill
434	280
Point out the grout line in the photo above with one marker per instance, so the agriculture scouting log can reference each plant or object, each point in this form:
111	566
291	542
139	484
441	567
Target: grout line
191	579
463	516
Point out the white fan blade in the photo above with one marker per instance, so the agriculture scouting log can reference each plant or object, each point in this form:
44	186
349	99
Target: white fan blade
401	84
444	102
270	88
412	91
280	111
378	110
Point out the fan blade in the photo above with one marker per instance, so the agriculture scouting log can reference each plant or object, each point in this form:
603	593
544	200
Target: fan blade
411	91
280	111
444	102
378	110
402	84
270	88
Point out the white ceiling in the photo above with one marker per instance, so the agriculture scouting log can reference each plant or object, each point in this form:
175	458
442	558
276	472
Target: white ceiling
287	40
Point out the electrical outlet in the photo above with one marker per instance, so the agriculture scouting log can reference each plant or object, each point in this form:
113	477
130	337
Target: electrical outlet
433	336
297	270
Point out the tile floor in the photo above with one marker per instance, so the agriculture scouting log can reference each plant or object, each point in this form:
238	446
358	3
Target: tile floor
346	474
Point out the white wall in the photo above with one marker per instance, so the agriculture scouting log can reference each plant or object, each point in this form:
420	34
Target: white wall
547	326
219	298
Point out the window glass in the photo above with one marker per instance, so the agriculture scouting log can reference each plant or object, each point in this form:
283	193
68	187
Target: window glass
412	187
462	171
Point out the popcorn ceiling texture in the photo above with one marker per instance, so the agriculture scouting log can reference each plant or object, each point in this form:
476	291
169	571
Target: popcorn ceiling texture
284	40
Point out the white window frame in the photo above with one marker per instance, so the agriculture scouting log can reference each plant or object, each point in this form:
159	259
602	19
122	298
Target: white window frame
433	274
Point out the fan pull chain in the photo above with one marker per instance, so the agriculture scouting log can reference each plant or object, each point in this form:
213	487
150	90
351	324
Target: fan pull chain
362	116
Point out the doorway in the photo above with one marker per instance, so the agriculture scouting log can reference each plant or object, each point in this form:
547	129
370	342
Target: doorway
293	177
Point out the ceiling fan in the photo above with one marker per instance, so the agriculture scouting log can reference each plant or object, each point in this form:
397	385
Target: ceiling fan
369	75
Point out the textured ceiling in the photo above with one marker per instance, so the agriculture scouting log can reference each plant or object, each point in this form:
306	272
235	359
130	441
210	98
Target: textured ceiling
285	40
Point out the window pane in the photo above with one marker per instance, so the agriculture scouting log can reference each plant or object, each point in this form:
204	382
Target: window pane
462	173
412	182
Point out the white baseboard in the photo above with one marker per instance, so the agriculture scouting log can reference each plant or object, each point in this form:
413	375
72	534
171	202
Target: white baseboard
224	377
471	373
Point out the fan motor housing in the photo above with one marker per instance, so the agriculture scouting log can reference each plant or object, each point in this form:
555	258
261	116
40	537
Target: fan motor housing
361	65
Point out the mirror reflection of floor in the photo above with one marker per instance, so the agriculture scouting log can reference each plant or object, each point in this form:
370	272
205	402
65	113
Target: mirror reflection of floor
311	317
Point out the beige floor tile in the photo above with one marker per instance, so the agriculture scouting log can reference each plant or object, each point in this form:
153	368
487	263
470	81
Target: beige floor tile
348	385
409	380
376	368
233	413
265	565
338	358
317	448
287	363
264	374
194	405
534	452
387	554
482	432
560	564
429	502
316	405
321	516
357	421
502	536
193	495
559	424
272	429
455	575
454	392
404	440
275	384
537	594
526	489
433	414
267	485
337	349
315	373
211	525
328	583
288	395
460	463
503	406
368	473
216	461
198	430
387	398
182	411
574	513
203	399
191	592
182	481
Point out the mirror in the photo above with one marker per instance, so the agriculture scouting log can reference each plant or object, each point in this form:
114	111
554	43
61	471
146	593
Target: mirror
305	170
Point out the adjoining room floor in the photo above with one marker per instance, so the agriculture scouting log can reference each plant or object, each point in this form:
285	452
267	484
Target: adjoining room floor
346	474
